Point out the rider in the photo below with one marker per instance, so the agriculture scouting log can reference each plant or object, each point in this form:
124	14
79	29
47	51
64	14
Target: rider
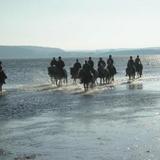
2	77
137	60
130	63
110	60
86	66
101	63
77	65
91	63
60	66
87	73
60	63
138	65
53	62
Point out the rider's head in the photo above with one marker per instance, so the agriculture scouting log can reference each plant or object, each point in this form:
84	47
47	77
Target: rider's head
86	62
130	57
90	58
76	60
100	58
54	58
59	57
137	56
110	56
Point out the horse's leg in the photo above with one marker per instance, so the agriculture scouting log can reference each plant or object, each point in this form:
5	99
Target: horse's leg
53	80
96	82
113	78
100	81
74	81
109	79
1	88
103	80
84	85
106	80
92	83
66	78
60	82
56	81
87	86
140	73
134	76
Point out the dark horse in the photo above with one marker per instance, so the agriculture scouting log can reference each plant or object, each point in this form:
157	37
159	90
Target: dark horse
131	71
103	74
139	69
74	74
87	78
57	75
112	72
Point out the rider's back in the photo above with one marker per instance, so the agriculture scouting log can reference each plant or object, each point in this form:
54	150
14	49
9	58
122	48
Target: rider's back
60	64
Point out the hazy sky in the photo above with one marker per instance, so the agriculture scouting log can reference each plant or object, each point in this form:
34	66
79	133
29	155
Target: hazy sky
80	24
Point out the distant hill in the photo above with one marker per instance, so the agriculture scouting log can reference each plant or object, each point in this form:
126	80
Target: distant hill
116	52
29	52
21	52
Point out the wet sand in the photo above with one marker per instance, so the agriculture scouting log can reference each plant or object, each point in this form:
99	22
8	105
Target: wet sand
109	123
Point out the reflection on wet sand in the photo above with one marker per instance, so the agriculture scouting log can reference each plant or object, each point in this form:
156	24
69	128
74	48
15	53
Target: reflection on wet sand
135	86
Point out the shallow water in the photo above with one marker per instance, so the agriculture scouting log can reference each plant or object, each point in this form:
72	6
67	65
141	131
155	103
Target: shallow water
112	122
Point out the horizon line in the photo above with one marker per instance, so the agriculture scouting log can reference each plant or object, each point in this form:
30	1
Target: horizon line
68	50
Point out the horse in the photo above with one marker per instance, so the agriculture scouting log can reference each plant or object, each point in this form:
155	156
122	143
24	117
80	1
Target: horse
130	71
94	73
103	74
139	69
112	72
74	74
57	75
86	78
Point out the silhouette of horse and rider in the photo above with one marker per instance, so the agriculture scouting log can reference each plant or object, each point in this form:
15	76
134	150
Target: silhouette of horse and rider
74	71
106	74
88	75
57	72
134	67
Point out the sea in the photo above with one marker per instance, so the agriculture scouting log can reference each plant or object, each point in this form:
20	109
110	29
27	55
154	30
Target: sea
40	121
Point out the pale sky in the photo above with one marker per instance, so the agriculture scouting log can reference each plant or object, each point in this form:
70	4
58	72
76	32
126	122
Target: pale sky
80	24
